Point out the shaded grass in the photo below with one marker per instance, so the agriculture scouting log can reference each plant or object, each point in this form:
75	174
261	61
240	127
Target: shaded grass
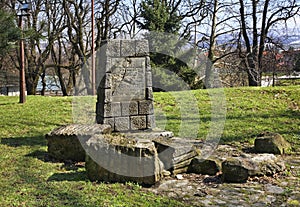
29	178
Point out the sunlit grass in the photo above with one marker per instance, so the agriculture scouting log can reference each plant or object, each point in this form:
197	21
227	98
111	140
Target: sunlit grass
27	178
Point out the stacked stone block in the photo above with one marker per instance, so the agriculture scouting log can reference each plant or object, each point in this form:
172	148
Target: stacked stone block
125	97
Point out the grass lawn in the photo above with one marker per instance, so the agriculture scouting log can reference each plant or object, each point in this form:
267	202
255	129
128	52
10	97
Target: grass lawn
27	178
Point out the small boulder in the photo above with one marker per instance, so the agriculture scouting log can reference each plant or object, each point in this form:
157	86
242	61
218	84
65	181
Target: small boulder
234	171
210	166
271	143
238	169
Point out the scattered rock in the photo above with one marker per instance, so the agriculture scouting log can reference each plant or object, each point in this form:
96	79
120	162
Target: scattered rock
68	142
234	171
274	189
179	177
210	166
271	143
238	169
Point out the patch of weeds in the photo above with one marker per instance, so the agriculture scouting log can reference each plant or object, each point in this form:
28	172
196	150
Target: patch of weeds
293	203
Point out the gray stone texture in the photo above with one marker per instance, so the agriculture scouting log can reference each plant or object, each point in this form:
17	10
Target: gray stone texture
125	90
146	107
271	143
175	153
138	122
151	121
119	159
130	108
210	166
122	124
68	142
239	169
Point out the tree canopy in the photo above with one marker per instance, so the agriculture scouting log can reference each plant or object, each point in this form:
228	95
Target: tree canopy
9	31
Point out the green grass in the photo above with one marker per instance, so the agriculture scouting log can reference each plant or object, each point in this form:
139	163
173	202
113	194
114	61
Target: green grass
27	178
249	111
288	82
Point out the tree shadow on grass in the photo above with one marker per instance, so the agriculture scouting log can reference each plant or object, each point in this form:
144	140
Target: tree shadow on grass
43	156
24	141
72	168
68	176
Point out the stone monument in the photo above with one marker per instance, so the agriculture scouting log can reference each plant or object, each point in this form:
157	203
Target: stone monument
124	144
125	98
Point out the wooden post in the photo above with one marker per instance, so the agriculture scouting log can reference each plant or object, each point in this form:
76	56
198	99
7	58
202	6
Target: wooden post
93	52
22	66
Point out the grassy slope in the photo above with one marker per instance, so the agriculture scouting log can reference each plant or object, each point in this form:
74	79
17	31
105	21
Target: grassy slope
27	179
250	111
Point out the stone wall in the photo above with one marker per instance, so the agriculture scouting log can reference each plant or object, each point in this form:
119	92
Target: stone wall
125	98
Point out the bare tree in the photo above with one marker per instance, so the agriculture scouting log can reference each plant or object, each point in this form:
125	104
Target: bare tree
257	18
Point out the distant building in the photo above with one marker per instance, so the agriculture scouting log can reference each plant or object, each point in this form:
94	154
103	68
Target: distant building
9	83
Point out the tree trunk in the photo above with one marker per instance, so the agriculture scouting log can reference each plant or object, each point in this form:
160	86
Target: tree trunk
61	81
44	84
209	65
253	72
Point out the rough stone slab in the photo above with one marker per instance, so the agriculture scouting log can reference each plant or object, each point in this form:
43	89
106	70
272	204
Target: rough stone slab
238	169
80	129
187	155
66	142
271	143
149	134
120	159
175	153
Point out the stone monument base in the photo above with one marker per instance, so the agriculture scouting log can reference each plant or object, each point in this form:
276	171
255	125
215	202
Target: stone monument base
142	157
66	142
145	157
